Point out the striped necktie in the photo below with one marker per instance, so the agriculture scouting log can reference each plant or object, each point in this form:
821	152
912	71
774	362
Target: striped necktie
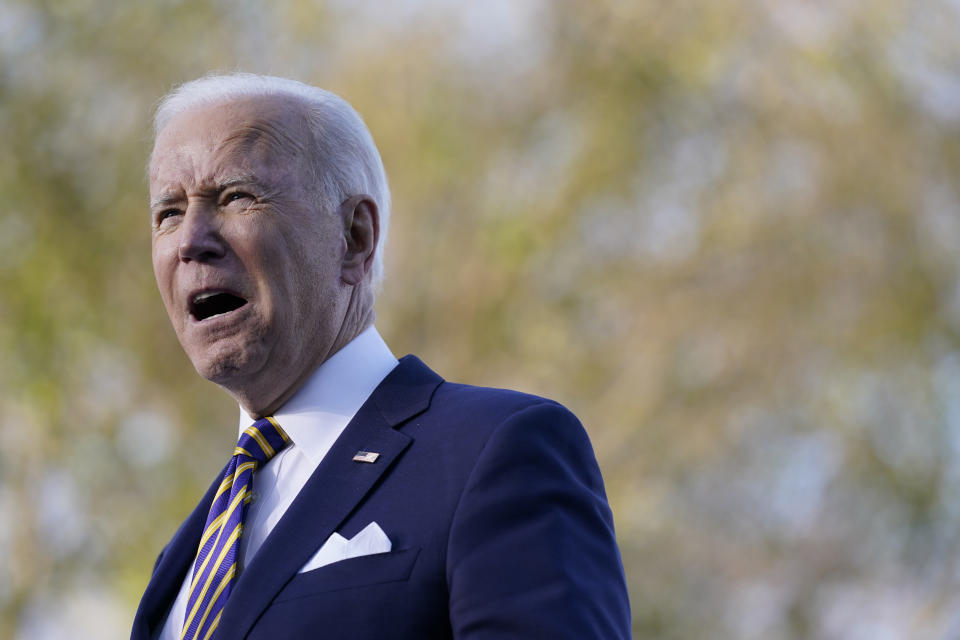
216	568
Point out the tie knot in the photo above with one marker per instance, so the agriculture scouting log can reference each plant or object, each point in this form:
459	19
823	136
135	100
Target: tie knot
262	440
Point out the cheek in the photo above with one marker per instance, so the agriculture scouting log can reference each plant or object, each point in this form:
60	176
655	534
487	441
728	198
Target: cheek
163	273
157	265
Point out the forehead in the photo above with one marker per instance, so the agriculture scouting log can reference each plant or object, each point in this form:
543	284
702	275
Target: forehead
263	137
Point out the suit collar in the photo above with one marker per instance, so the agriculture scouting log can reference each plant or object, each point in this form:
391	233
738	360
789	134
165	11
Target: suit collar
330	494
333	491
406	392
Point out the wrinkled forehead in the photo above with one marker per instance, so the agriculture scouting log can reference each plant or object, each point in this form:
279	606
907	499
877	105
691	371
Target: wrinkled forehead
261	136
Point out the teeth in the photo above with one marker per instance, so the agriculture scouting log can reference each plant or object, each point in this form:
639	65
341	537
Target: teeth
200	297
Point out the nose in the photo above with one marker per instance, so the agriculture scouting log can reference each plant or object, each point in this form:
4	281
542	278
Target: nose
201	239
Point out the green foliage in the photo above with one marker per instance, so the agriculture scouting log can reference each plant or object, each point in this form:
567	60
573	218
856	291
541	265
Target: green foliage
723	233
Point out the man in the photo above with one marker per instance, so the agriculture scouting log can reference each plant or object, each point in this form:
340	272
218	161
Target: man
367	498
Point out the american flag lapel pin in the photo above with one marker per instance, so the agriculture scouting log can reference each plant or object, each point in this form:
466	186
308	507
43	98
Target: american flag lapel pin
366	456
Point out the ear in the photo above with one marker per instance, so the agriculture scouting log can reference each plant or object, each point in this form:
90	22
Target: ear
361	231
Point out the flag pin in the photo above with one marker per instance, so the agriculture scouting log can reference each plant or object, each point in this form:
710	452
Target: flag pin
366	456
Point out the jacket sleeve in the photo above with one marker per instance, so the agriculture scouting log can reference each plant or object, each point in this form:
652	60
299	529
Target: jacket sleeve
532	552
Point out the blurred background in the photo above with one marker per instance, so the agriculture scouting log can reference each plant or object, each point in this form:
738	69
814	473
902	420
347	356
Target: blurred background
723	232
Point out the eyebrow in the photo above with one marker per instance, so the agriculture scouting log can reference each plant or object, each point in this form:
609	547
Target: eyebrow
246	178
165	199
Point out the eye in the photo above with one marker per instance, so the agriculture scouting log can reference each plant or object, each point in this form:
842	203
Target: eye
234	196
165	214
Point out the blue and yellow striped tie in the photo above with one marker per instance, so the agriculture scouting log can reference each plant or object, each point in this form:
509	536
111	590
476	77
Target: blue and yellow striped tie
216	568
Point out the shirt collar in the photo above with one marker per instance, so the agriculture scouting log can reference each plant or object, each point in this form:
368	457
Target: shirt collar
318	412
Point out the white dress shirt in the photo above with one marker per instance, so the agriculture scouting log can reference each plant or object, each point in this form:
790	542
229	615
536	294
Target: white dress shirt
314	418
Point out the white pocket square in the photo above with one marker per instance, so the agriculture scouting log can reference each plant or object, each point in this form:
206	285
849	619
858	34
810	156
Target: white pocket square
371	539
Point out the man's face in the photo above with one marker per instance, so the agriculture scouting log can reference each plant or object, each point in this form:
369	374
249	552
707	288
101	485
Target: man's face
248	266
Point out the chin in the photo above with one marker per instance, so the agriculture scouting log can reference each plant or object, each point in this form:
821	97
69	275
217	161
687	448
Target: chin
224	366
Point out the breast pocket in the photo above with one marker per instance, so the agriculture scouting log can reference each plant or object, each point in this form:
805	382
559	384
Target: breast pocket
378	568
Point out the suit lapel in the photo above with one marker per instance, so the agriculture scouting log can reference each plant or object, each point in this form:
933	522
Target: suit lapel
170	571
332	492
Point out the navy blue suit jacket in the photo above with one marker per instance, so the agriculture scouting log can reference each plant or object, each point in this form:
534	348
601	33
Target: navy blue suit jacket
495	508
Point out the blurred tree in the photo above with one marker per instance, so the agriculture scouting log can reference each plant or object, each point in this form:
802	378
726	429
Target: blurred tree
723	233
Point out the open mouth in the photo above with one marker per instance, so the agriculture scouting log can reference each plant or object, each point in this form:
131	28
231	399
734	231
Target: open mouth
214	303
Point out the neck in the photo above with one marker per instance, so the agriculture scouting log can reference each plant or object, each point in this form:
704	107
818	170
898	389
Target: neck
261	398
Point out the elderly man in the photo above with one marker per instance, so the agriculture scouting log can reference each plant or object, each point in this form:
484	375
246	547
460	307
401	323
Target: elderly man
367	497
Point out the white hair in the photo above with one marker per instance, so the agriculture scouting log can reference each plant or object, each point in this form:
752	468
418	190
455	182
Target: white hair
350	160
